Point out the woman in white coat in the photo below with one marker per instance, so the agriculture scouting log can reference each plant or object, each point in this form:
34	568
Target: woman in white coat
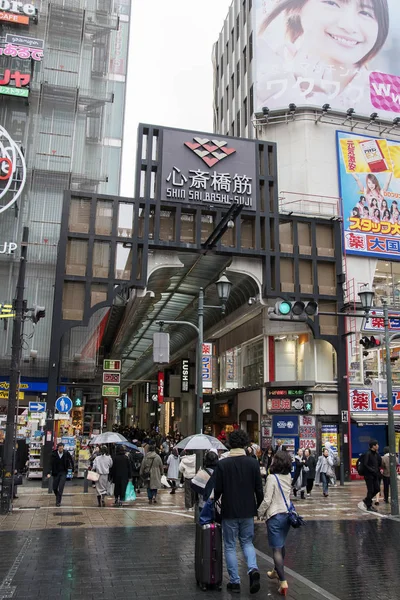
173	469
102	465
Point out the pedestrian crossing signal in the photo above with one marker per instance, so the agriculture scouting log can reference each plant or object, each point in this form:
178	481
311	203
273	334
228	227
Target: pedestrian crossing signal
6	311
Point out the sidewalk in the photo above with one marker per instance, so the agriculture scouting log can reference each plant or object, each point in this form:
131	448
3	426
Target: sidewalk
141	552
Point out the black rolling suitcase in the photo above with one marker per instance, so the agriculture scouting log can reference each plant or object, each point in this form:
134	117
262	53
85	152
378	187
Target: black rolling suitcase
208	556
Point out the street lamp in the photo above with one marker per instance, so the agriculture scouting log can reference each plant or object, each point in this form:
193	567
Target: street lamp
224	287
367	297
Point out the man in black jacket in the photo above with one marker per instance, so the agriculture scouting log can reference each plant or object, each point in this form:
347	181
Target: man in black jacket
61	461
372	464
238	481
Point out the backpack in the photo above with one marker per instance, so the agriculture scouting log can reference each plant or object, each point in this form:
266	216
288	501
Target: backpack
336	461
360	465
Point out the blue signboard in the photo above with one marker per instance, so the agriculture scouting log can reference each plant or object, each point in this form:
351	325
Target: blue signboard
64	404
285	426
29	386
37	407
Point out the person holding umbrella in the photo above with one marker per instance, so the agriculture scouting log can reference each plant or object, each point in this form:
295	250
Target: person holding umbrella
102	465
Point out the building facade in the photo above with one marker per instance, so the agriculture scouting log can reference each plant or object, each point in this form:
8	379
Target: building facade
65	112
337	138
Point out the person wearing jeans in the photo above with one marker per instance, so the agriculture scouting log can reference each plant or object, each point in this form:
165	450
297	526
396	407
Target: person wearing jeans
238	481
325	470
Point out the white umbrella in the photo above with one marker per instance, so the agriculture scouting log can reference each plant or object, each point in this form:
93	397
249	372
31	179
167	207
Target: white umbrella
200	441
109	437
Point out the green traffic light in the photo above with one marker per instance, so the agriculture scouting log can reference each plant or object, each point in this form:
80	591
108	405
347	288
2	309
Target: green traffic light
78	402
285	308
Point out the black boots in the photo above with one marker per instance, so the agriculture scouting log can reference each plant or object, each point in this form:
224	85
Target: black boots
99	500
302	496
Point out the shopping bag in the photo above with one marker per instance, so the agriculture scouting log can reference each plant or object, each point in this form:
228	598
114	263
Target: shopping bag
92	476
207	514
164	481
130	495
110	489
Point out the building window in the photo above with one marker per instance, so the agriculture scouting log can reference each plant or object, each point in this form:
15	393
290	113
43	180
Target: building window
222	66
233	128
217	77
386	284
227	97
244	12
245	60
238	74
250	48
233	85
230	369
238	123
250	5
251	101
222	108
237	27
253	363
245	111
233	39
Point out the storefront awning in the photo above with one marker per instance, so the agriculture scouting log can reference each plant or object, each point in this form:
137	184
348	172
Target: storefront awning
375	418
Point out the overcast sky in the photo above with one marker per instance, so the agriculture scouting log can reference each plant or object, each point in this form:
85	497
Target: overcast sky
170	75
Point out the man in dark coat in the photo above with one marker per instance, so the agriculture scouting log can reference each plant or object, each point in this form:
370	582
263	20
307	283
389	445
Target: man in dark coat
238	481
121	473
372	465
136	457
61	462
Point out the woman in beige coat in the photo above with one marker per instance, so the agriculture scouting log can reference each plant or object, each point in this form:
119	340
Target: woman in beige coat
151	471
274	508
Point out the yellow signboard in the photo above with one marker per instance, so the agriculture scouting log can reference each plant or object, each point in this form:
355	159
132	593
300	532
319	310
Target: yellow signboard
4	395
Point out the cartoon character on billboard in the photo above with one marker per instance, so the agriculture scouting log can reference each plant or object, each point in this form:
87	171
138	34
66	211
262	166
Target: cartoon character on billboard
324	53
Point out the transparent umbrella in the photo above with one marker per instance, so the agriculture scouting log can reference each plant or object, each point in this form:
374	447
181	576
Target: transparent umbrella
109	437
200	441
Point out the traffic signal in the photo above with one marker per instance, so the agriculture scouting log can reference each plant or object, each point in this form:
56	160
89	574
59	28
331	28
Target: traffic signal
293	310
38	312
371	343
78	398
308	402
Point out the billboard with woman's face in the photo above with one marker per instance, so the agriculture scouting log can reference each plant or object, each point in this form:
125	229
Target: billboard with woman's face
369	176
338	52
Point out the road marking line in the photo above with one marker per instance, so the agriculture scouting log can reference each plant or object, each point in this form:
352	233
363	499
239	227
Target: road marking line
6	589
304	580
120	509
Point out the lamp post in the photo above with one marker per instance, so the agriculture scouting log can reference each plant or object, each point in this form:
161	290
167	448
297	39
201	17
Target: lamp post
366	297
224	287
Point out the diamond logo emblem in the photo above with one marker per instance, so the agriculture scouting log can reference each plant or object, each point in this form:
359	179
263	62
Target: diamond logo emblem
210	151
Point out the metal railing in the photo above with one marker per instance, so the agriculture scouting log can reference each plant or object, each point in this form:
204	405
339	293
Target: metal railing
309	204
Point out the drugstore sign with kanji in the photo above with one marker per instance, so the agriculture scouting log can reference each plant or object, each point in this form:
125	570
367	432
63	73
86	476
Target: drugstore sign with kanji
207	169
375	322
369	175
366	401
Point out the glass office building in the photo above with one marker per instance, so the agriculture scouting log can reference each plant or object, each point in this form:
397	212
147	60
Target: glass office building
62	95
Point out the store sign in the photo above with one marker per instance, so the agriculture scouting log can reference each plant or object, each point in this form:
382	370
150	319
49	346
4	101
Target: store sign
285	425
207	371
111	365
207	349
22	40
111	390
207	408
105	410
24	52
12	169
8	247
367	401
112	378
4	395
282	400
160	387
14	91
184	375
118	403
369	177
16	12
375	322
30	386
147	393
208	169
306	56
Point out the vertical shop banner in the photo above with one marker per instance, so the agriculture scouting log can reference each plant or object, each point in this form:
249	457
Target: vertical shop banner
160	387
207	372
105	411
329	433
369	177
303	55
185	375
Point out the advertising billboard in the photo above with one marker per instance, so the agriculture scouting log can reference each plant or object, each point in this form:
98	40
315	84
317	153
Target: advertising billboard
369	177
337	52
208	169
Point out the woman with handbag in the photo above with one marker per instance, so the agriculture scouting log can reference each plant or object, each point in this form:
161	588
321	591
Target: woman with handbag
102	465
275	508
151	471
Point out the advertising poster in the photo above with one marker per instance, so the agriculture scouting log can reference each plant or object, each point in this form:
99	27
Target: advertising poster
329	433
369	178
315	52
